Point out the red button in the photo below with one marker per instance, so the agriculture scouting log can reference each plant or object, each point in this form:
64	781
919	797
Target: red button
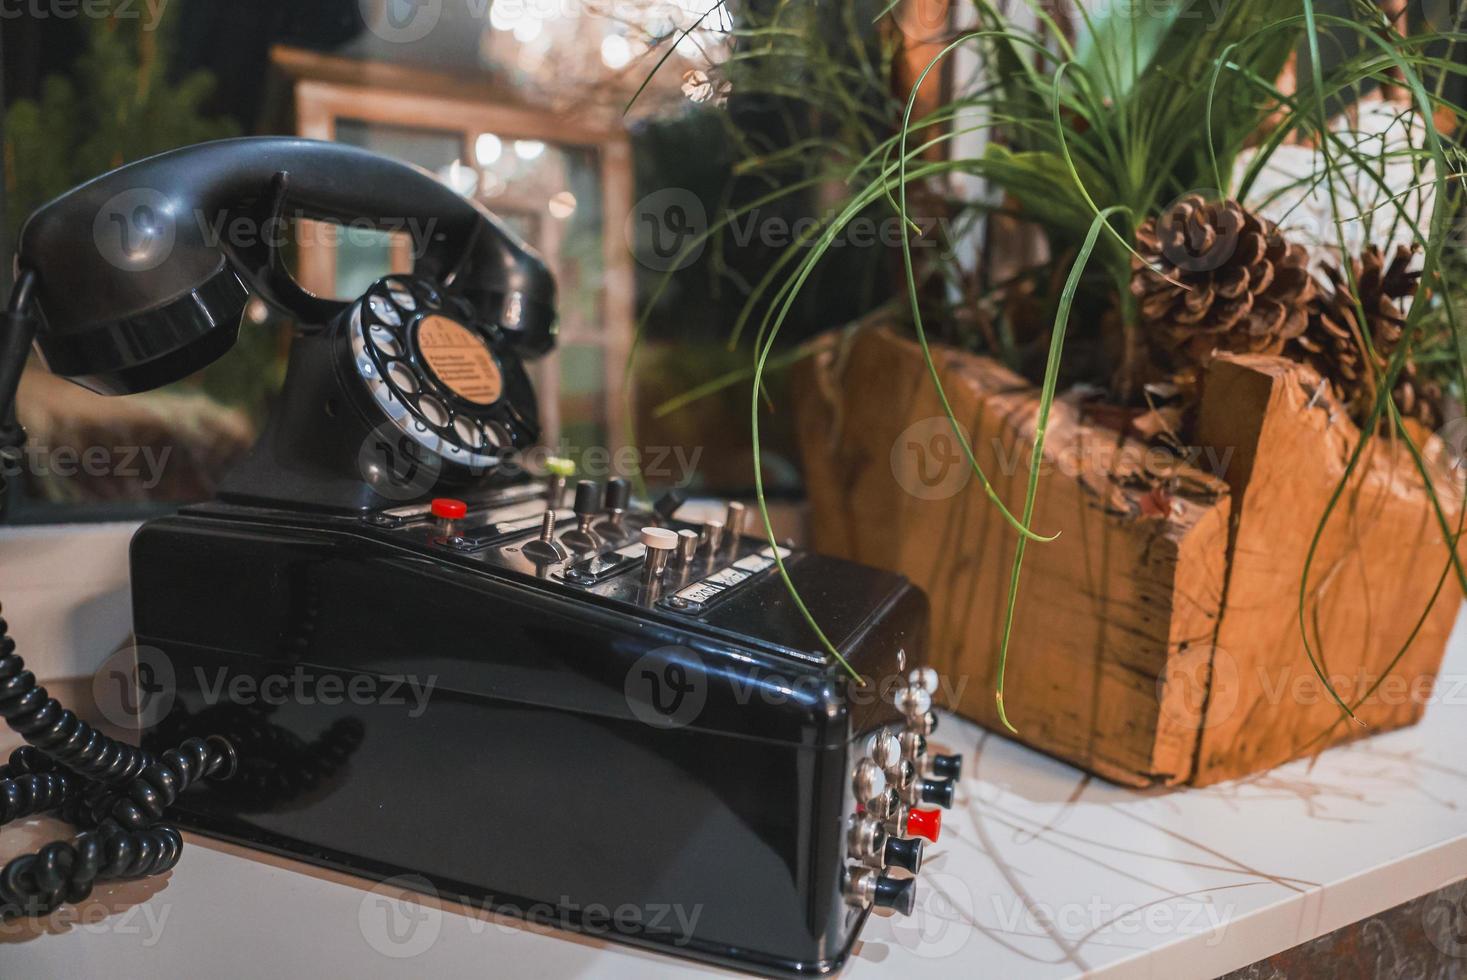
925	823
449	509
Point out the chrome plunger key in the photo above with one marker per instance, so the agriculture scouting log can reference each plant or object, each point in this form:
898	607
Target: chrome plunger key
660	543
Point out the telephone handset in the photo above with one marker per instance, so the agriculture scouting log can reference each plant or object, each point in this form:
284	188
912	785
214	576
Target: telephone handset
139	278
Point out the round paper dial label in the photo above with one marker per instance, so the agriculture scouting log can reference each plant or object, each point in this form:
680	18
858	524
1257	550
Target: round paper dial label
459	359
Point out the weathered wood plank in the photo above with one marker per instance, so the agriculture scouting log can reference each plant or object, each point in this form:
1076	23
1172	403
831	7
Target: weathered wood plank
1111	616
1155	640
1375	572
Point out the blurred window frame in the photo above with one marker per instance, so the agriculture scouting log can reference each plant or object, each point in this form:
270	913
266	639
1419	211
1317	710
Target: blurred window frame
325	90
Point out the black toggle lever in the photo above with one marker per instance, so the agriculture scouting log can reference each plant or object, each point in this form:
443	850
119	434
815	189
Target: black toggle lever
587	506
618	500
588	499
902	852
667	505
618	495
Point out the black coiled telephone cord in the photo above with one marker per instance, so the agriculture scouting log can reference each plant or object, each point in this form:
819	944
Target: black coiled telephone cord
117	793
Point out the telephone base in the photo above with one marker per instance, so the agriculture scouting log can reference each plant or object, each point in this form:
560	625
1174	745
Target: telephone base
466	721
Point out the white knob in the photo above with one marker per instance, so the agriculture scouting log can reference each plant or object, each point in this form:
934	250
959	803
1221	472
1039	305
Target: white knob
913	702
868	781
925	678
659	543
659	538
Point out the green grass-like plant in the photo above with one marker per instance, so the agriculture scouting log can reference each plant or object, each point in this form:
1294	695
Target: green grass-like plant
1089	137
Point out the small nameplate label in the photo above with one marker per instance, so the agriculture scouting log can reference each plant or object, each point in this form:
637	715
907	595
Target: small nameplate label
695	598
700	592
726	578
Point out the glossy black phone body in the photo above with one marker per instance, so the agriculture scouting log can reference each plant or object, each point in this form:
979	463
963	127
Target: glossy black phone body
582	747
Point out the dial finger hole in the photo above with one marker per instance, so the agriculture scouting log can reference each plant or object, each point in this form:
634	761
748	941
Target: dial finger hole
404	299
385	311
468	432
433	410
498	436
402	378
384	341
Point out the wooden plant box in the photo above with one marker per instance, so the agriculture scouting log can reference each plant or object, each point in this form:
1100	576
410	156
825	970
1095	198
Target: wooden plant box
1157	640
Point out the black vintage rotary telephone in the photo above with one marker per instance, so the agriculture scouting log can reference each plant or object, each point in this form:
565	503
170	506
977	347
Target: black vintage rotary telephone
137	279
629	713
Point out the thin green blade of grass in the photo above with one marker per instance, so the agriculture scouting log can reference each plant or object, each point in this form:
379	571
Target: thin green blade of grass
730	378
629	416
668	54
854	207
902	179
1046	402
1321	124
1051	371
1433	246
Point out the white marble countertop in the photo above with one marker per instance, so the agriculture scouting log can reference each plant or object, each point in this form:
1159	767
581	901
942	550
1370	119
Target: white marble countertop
1041	872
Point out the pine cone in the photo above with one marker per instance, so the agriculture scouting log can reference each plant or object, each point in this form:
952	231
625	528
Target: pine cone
1333	343
1246	289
